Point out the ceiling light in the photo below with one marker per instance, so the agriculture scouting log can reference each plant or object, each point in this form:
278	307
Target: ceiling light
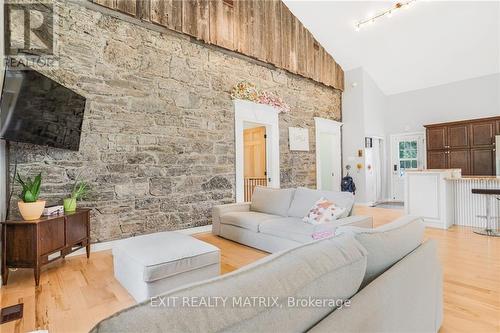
389	12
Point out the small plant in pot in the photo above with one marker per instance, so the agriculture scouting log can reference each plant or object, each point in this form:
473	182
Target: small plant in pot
30	207
79	190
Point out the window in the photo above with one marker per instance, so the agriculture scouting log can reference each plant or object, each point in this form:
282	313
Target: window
408	155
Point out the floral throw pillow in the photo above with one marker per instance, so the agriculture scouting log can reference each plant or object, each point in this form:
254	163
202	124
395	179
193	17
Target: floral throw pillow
323	211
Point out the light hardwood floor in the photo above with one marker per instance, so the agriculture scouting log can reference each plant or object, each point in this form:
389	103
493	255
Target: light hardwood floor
76	293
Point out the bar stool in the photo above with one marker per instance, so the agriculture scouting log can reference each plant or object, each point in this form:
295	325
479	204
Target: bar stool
490	229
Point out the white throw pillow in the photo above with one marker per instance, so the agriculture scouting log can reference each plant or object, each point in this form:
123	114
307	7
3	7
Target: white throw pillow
323	211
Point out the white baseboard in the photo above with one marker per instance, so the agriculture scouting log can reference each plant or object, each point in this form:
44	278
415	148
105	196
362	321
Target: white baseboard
97	247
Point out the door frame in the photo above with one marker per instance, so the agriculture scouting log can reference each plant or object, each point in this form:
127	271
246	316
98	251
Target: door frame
382	167
246	111
329	126
393	138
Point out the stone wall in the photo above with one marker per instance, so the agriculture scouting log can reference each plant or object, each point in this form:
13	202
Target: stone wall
157	142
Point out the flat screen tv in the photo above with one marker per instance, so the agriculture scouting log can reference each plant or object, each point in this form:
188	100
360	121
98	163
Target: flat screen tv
35	109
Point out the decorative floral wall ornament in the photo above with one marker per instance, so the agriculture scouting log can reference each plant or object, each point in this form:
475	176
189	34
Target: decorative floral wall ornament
247	91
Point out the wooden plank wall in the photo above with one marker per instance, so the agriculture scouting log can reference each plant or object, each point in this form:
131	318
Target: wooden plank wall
263	29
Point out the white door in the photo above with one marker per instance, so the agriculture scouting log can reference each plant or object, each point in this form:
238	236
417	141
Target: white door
407	153
374	171
328	154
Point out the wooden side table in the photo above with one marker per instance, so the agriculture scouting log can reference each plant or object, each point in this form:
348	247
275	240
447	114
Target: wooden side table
33	244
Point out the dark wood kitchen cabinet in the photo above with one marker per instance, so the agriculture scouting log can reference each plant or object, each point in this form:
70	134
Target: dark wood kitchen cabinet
468	145
459	159
33	244
437	160
483	161
482	133
457	136
437	138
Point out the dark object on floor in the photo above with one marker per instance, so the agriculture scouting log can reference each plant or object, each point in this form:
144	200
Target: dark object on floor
348	185
11	313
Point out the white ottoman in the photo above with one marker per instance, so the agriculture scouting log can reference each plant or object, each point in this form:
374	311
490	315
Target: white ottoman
153	264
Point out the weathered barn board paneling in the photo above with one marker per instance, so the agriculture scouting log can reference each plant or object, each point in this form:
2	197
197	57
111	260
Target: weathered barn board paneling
167	13
272	26
106	3
288	40
222	18
243	26
195	19
311	44
126	6
262	29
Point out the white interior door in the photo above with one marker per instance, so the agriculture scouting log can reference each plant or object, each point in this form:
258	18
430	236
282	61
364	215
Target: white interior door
407	153
328	154
375	166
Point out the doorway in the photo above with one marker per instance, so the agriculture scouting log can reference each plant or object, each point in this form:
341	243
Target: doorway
407	153
375	153
256	148
255	157
328	154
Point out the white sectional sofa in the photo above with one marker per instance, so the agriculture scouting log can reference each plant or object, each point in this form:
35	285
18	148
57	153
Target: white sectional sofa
392	280
273	220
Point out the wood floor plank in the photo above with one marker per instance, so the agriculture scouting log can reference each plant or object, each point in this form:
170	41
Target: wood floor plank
76	293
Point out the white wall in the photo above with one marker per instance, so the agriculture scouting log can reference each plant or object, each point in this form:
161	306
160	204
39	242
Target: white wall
353	131
375	105
363	108
462	100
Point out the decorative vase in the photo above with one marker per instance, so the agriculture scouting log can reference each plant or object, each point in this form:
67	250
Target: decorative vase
31	210
69	204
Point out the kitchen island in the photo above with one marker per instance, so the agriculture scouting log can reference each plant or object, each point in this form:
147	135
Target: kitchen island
443	197
470	209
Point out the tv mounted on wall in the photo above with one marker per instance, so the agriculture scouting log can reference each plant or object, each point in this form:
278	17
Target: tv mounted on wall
35	109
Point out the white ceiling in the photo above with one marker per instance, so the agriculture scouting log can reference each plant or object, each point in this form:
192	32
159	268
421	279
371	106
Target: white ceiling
429	44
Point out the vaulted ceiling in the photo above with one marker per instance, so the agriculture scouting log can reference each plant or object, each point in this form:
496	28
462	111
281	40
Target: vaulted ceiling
432	43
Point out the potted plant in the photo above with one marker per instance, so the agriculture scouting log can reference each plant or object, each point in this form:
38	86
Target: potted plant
79	190
30	207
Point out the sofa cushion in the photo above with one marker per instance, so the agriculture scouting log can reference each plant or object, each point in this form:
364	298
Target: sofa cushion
323	211
271	201
305	198
165	254
387	244
295	229
247	220
330	269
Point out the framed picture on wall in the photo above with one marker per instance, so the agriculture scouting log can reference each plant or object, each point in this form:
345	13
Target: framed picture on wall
298	138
